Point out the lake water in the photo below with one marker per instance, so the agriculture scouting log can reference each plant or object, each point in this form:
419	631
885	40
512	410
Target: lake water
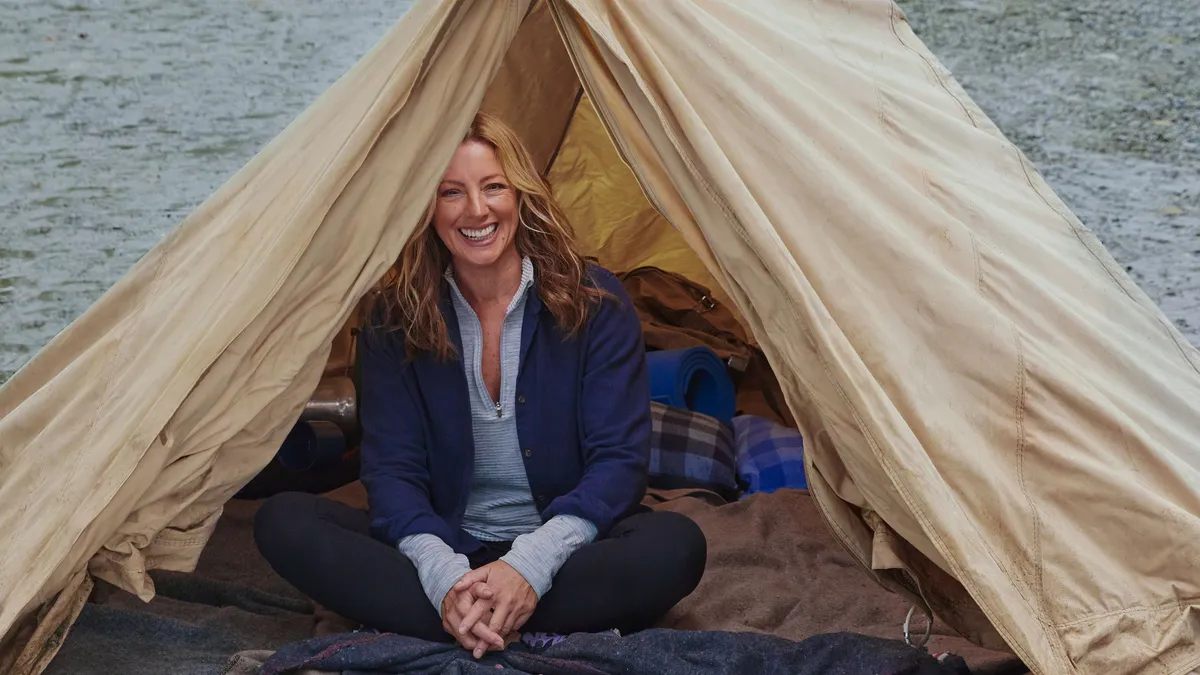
118	117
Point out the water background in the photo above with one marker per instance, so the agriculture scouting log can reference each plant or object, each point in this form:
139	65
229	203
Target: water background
118	117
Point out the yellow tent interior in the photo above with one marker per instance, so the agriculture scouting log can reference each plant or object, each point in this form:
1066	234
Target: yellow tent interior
946	333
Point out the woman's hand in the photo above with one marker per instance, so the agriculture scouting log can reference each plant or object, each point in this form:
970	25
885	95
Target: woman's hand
476	637
512	598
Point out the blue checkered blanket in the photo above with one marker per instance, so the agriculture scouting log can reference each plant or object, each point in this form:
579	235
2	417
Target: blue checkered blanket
770	456
689	450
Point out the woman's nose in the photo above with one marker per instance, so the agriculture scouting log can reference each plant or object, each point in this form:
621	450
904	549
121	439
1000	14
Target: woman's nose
477	206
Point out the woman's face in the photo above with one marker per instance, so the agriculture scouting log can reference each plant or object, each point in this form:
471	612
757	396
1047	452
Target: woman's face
476	211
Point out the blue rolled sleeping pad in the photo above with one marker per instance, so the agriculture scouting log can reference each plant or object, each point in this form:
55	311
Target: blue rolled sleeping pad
312	445
694	379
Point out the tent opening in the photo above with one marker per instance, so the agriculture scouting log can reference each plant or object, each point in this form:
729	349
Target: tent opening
538	93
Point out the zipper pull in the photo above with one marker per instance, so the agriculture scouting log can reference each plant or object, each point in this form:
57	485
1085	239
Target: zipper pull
498	412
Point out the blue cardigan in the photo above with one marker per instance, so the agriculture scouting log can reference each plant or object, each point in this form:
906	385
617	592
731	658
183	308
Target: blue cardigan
583	420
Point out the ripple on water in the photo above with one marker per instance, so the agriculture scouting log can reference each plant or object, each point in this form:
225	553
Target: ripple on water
164	100
119	117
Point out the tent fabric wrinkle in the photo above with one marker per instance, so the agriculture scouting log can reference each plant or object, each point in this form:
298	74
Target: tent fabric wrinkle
999	425
220	354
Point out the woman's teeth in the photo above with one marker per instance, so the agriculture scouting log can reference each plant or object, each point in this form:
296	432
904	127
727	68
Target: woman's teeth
481	233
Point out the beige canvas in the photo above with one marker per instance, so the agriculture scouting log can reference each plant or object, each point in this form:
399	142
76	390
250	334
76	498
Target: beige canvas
122	438
1001	425
984	391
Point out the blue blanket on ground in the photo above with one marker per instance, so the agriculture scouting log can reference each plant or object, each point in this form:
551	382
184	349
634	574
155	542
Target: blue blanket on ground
661	652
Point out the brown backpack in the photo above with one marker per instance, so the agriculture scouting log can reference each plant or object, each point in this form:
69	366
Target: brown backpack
677	313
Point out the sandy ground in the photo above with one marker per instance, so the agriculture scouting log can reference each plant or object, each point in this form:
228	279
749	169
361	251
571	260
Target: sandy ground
117	117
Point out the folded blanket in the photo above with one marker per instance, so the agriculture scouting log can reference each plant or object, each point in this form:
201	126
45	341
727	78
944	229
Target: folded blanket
657	652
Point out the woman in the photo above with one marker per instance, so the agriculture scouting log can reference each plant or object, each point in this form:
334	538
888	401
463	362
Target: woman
506	428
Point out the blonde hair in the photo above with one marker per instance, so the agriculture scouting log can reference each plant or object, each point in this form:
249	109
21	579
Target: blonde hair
412	293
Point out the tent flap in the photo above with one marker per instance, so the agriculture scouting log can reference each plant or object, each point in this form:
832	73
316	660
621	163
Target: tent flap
146	414
993	389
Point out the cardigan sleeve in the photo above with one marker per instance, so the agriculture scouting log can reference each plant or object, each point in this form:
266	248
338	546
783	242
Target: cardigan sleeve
614	414
394	466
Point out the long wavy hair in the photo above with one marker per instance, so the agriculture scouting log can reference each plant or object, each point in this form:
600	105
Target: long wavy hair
411	295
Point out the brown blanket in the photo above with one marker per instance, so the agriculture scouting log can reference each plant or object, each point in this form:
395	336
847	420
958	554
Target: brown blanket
773	567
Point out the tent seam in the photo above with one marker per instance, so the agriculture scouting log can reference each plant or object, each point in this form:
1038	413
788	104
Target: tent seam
1021	160
933	70
1173	604
562	138
1022	443
978	261
1022	446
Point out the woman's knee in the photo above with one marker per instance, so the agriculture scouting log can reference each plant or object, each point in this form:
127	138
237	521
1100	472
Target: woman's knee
279	522
692	547
682	547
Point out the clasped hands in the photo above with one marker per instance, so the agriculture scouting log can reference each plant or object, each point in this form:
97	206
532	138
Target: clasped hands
486	606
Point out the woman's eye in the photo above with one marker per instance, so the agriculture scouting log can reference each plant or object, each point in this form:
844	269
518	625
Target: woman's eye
497	186
449	192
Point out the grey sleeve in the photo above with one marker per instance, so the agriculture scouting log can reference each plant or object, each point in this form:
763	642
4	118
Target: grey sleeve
537	556
438	566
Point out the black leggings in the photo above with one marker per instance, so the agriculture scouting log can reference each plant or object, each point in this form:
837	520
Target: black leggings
628	580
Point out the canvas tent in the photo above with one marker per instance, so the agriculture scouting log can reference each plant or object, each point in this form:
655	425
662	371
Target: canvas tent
999	423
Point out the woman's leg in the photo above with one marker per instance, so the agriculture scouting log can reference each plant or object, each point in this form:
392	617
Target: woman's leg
628	581
324	548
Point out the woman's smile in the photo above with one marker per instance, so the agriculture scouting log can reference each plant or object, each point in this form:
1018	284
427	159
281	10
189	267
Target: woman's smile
481	236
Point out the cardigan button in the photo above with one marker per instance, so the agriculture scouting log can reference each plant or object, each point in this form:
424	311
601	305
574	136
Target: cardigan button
520	399
528	452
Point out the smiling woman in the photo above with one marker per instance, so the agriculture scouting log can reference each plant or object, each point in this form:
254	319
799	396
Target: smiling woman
491	182
506	435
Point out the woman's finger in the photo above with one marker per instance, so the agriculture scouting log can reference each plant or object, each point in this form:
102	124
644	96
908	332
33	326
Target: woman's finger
474	614
510	624
482	590
521	619
462	607
468	641
470	579
500	617
486	636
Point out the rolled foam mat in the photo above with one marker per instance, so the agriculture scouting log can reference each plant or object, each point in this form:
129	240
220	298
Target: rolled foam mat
694	379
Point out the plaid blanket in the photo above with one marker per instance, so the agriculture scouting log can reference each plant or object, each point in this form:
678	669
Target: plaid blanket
689	450
770	456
